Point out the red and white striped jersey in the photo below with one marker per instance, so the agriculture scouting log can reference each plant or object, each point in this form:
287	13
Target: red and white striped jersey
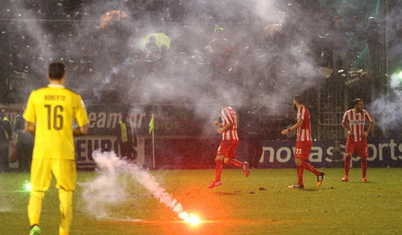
356	122
229	115
304	131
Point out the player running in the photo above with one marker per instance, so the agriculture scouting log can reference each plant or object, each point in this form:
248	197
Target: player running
49	116
303	143
353	122
227	149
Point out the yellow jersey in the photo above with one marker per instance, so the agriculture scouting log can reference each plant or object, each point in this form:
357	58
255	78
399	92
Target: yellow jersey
53	110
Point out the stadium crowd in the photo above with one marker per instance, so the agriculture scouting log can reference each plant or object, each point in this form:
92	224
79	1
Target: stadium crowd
238	48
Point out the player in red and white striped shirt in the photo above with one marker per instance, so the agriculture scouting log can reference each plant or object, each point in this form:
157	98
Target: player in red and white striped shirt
303	143
227	149
353	122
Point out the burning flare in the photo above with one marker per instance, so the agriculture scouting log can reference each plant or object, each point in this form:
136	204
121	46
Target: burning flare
189	218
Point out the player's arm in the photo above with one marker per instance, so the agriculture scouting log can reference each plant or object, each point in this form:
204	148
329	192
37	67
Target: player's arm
29	127
294	127
345	123
217	124
345	126
225	128
372	124
81	130
81	118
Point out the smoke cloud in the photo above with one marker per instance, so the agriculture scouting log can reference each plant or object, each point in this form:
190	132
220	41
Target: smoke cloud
108	190
105	60
388	109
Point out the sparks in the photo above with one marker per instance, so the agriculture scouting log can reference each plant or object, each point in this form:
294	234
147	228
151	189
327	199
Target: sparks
190	218
28	186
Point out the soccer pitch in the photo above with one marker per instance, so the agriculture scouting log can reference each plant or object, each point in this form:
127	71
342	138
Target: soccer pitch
259	204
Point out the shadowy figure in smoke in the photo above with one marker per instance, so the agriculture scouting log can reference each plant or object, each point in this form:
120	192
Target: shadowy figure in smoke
339	46
126	138
372	33
220	49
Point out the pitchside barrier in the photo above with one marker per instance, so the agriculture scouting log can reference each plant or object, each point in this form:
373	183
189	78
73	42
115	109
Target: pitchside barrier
199	153
183	141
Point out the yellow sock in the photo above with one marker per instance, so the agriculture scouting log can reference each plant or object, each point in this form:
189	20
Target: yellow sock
35	206
66	211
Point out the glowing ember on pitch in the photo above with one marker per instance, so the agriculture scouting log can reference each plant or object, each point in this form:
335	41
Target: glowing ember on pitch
27	186
189	218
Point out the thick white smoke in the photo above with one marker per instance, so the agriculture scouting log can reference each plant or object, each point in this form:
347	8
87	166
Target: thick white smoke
106	191
388	109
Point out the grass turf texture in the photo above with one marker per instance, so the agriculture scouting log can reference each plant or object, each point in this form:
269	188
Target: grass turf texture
239	206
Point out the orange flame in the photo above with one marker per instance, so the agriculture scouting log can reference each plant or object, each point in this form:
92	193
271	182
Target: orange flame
189	218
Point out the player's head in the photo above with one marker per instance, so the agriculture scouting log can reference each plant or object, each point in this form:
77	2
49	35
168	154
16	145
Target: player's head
152	39
57	71
224	100
115	17
358	104
298	99
2	113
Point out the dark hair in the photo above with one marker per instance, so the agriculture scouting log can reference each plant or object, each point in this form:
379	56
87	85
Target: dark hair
56	71
356	101
299	99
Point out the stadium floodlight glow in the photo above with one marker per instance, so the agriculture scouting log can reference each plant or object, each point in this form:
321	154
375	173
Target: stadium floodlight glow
400	76
190	218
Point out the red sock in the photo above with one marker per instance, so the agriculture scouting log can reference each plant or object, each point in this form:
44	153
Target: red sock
364	167
218	170
310	168
235	162
300	171
347	165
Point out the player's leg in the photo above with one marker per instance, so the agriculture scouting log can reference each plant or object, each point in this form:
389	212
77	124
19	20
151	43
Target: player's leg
231	154
300	172
303	150
41	177
364	168
66	211
233	162
299	168
230	158
65	173
303	155
350	148
218	165
362	150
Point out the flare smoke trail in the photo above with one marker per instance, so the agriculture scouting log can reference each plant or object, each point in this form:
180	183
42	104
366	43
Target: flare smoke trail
107	190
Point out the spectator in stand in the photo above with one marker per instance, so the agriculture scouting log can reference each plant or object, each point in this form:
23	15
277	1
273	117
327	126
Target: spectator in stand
395	52
220	48
254	143
5	138
339	46
373	36
151	50
25	143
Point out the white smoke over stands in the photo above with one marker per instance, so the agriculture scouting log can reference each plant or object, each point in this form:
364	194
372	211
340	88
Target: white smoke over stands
388	110
196	84
106	191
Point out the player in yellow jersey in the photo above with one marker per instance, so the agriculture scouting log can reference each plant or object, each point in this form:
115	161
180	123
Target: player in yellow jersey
49	116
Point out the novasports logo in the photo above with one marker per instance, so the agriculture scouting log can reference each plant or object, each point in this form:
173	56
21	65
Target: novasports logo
282	152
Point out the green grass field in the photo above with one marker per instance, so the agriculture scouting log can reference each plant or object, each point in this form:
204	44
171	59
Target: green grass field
239	206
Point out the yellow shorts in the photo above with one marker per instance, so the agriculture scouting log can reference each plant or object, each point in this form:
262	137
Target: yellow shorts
63	170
